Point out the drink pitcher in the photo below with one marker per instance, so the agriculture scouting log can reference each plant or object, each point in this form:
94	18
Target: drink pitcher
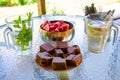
98	31
20	30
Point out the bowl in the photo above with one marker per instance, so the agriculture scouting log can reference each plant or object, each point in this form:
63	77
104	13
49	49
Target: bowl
57	34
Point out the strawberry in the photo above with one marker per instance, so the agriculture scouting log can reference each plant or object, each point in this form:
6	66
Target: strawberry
57	29
58	26
64	27
46	27
61	21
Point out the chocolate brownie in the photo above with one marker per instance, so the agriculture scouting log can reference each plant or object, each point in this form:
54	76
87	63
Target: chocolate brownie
59	53
74	60
63	46
71	50
46	47
44	58
77	49
58	63
77	59
69	60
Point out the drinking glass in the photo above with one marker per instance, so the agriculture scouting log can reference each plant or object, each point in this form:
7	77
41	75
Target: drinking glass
20	30
98	31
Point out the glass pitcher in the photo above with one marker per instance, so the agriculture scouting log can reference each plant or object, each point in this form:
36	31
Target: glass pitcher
20	30
98	32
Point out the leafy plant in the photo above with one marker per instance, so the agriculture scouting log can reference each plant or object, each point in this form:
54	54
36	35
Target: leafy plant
16	2
25	34
90	9
3	3
55	11
23	2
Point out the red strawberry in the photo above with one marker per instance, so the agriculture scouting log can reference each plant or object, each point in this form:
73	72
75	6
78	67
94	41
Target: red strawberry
46	27
58	26
53	26
61	21
57	29
65	27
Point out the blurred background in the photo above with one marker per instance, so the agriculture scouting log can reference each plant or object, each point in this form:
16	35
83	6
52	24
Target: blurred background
69	7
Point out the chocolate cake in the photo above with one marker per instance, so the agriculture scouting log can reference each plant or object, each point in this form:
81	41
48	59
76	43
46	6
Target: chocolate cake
47	48
74	60
69	60
59	57
58	63
44	58
77	49
77	59
63	46
59	53
71	50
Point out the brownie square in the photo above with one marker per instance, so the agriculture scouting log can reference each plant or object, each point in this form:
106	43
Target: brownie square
77	59
44	58
77	49
59	53
63	46
58	63
46	47
69	60
71	50
74	60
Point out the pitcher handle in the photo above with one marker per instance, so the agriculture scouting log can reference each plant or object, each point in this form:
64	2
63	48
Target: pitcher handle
6	36
116	31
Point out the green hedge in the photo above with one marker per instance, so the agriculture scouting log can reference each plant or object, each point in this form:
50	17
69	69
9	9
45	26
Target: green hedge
16	2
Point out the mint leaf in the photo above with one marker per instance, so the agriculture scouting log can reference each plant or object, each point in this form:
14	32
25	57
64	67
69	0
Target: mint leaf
25	34
16	26
29	15
16	21
19	18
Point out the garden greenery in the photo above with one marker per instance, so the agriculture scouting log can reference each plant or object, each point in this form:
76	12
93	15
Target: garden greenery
16	2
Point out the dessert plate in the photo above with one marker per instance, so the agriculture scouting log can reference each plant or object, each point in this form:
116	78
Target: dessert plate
61	59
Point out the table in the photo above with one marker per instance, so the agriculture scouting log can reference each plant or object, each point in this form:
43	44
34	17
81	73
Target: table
103	66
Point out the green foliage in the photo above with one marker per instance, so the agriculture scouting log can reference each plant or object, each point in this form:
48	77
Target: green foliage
3	3
22	2
25	34
16	2
34	1
55	11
